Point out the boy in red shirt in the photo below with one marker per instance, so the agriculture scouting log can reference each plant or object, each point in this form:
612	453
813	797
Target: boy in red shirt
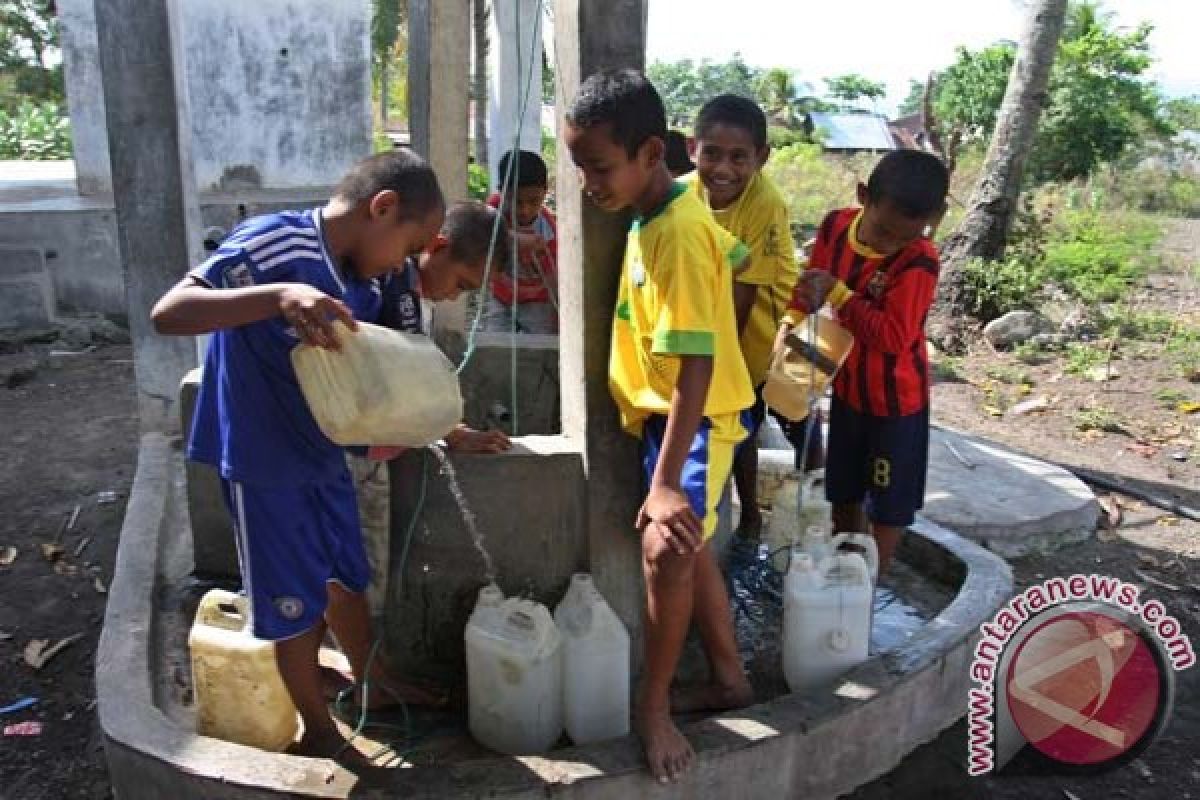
532	282
878	269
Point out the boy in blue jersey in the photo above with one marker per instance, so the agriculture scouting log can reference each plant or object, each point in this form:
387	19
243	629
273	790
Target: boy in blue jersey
276	281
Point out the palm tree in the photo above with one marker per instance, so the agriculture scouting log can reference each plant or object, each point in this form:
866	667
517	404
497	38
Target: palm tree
984	230
480	11
777	92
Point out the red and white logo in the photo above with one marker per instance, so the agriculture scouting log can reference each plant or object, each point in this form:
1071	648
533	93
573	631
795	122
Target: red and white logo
1084	688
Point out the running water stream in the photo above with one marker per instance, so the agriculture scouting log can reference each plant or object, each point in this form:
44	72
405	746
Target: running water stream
467	514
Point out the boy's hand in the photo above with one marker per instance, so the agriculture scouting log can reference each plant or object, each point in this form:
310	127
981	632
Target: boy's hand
529	245
311	312
813	289
668	513
384	452
468	440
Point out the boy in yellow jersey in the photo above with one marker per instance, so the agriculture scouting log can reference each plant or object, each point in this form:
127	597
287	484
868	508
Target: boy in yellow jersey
731	149
680	383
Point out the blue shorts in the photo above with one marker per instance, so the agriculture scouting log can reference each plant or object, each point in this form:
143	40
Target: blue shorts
709	462
881	460
291	542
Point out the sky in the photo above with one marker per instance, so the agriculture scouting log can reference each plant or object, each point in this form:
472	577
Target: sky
892	41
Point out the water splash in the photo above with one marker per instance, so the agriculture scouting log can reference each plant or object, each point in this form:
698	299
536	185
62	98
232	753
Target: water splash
468	515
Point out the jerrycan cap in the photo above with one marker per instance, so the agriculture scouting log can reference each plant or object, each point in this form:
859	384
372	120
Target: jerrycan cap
490	596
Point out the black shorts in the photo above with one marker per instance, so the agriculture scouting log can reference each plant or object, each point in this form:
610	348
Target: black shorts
881	460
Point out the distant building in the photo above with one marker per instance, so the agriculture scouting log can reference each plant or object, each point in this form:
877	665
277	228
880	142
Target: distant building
860	132
909	133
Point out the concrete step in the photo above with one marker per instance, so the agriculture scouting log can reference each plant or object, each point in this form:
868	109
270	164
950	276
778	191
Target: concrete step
26	290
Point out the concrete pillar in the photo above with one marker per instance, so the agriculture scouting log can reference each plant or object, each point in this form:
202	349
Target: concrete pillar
439	61
514	70
85	95
591	35
153	185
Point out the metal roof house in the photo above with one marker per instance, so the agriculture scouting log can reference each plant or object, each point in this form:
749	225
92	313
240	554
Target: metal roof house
852	133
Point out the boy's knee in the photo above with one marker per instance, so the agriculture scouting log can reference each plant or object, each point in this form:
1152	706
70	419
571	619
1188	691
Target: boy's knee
662	559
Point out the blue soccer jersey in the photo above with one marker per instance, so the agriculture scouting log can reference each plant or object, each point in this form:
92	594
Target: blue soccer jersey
251	419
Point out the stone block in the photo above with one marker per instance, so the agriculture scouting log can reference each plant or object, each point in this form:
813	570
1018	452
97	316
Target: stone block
214	551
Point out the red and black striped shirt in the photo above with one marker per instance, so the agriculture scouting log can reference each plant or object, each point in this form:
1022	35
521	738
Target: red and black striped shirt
887	371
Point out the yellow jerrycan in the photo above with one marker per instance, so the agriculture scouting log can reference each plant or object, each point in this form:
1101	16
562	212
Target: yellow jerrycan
240	696
802	369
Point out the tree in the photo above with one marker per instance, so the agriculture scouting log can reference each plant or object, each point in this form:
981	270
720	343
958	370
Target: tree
386	18
1100	103
852	87
912	103
687	85
1098	100
967	95
1183	113
480	11
776	90
983	231
29	52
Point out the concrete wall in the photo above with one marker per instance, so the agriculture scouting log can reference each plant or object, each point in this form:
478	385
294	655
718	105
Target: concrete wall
279	91
85	95
82	255
511	75
79	238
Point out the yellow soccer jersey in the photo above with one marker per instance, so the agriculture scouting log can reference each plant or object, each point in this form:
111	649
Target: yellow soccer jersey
676	298
759	219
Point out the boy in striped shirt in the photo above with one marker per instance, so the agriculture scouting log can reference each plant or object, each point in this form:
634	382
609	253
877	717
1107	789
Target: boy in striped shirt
878	269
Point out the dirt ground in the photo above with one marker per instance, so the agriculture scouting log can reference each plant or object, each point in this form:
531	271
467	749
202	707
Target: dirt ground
1149	546
69	435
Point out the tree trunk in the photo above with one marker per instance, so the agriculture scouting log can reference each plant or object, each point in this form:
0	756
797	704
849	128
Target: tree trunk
984	230
479	81
385	61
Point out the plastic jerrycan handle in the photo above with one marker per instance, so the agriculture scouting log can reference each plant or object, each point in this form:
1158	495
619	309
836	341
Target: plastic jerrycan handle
225	610
870	552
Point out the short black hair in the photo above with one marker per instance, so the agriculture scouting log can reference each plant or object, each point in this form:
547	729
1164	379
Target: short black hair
625	99
677	158
401	171
733	109
469	229
914	181
530	169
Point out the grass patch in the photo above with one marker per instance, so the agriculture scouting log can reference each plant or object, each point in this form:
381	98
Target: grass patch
1183	351
948	369
1082	358
1002	373
1141	326
1030	354
1170	398
1098	256
1099	419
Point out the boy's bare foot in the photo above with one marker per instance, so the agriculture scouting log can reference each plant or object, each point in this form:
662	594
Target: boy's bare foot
329	744
334	681
712	697
668	753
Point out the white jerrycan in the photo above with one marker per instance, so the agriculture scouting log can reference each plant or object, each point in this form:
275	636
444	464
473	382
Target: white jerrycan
514	675
595	664
382	387
826	618
819	544
240	696
799	505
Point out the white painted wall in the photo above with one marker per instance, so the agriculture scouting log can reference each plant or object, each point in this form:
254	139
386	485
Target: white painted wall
505	83
85	95
279	90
